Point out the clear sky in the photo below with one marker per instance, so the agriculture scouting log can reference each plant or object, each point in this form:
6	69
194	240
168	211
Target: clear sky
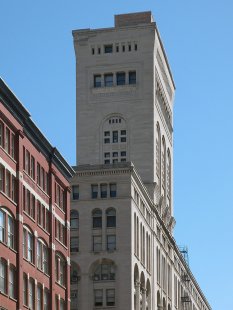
37	62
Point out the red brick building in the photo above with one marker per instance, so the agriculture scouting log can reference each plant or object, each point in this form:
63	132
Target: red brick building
34	214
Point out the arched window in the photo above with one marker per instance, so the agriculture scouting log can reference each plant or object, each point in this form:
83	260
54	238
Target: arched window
158	154
74	219
169	176
163	154
42	256
7	228
114	136
111	217
97	218
105	271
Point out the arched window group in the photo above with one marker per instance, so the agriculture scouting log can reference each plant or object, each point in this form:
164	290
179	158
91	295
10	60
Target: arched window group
163	167
142	291
104	286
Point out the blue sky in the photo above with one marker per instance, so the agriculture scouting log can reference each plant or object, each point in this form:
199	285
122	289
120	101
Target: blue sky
37	62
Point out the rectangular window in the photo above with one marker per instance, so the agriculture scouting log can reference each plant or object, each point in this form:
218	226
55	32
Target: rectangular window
108	49
1	178
97	243
10	232
107	155
115	154
120	78
13	182
132	77
103	190
97	81
94	191
38	174
107	161
46	300
75	192
98	298
1	134
123	154
8	182
115	136
113	190
25	290
30	248
32	168
115	161
123	135
13	145
110	297
39	297
74	300
108	80
31	294
7	141
74	244
3	276
111	242
12	283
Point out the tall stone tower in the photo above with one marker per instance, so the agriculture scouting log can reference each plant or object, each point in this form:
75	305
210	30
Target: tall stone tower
125	95
123	254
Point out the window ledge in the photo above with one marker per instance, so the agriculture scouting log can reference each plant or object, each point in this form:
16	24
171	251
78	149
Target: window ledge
7	246
12	298
5	195
8	154
62	286
114	89
61	243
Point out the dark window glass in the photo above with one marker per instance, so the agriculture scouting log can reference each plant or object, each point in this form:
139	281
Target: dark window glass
132	77
98	295
99	50
123	132
106	155
93	51
123	154
115	154
135	47
123	48
107	161
129	48
110	297
117	49
113	190
108	49
108	80
97	80
111	218
111	242
115	136
123	139
103	190
75	191
97	219
94	191
121	78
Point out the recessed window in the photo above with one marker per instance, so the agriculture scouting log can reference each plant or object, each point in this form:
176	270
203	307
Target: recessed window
123	159
108	48
98	298
93	51
121	78
111	242
117	48
103	190
114	161
108	80
115	136
75	192
135	47
99	50
97	218
74	219
110	297
94	191
123	48
111	218
132	77
115	154
97	243
74	244
129	47
107	155
97	80
3	275
113	190
107	161
123	154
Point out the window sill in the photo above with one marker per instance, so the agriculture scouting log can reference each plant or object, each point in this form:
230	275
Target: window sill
61	243
7	246
59	284
56	205
3	293
29	216
5	195
12	298
8	154
113	89
44	230
32	264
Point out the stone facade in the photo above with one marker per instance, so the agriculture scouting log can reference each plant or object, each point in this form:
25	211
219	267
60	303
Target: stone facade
123	253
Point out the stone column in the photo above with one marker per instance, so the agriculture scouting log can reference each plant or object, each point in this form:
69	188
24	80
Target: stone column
137	289
143	299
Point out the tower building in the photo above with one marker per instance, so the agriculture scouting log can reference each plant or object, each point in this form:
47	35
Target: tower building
123	254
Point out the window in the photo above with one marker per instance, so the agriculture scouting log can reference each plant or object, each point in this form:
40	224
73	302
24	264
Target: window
60	270
3	275
42	256
110	297
97	243
32	168
111	242
132	77
1	134
105	272
93	51
113	190
123	135
28	245
111	218
129	47
74	273
46	299
115	136
1	178
12	153
75	192
25	290
31	293
108	80
39	297
120	78
108	49
74	299
59	196
74	219
7	183
74	244
7	141
97	218
135	47
7	228
107	137
97	81
98	298
103	190
62	304
94	191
